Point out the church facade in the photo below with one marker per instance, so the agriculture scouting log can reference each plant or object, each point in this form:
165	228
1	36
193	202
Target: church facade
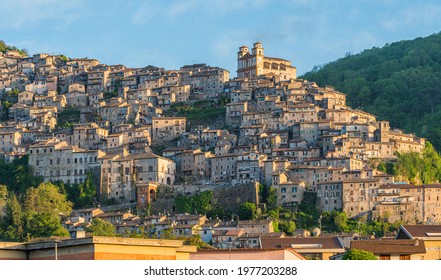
251	65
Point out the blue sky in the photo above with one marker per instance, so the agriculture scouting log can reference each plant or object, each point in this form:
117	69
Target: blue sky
171	33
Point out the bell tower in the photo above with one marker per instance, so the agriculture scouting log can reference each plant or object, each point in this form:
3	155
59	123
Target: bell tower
383	128
242	51
258	49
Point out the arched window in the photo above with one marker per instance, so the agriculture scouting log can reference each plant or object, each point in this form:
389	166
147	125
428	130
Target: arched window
150	168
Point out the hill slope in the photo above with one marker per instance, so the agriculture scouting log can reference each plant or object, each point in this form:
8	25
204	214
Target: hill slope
400	82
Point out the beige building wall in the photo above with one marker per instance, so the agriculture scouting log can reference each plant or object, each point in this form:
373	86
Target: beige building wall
99	248
57	160
167	128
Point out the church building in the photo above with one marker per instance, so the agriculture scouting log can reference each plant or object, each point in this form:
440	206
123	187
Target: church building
251	65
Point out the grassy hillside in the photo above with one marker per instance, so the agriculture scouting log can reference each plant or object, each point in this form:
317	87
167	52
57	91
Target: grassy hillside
400	82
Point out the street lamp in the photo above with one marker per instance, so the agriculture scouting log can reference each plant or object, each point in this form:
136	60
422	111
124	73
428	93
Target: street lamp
56	248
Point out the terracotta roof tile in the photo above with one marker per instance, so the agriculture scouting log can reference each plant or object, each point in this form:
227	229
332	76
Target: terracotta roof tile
422	231
390	246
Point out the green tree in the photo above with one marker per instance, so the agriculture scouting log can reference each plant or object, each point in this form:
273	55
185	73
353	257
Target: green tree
84	195
216	213
44	225
3	198
183	204
355	254
12	225
341	221
247	211
99	227
46	198
17	175
196	240
199	203
68	117
287	227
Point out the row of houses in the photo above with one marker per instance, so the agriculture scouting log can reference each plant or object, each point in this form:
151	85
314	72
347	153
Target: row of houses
410	242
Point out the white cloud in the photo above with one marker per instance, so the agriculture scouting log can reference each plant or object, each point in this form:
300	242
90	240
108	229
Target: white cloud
212	7
413	16
147	11
23	13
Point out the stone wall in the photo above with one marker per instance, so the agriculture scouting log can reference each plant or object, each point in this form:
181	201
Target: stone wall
226	196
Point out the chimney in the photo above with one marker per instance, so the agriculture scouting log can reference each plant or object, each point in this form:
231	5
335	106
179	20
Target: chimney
417	243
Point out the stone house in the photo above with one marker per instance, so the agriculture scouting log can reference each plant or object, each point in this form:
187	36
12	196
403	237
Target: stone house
97	80
208	82
76	99
82	63
329	195
223	168
57	160
164	129
234	111
303	112
87	214
249	166
192	164
256	226
239	96
76	87
89	136
121	173
10	139
26	98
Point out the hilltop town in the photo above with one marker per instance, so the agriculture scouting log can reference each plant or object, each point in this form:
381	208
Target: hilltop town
146	136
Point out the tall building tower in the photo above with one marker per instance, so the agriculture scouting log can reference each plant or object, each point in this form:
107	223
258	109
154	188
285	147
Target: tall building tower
258	49
383	127
242	52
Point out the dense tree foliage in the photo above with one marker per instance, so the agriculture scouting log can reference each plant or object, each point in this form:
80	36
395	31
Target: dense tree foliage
398	82
68	117
12	222
355	254
199	113
288	227
3	198
415	168
99	227
82	195
199	203
44	225
46	198
218	213
247	211
40	216
268	196
17	175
